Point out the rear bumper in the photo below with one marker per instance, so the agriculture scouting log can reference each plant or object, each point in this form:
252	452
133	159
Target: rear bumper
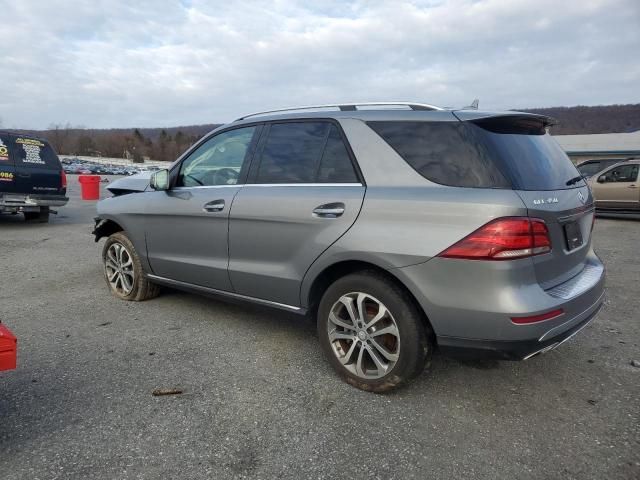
19	202
513	350
471	305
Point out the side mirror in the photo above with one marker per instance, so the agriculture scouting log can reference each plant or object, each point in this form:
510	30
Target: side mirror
160	180
602	178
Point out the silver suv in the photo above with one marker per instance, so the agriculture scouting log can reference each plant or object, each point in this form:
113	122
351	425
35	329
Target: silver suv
399	227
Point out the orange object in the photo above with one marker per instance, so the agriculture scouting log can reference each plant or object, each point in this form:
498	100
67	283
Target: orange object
8	349
90	185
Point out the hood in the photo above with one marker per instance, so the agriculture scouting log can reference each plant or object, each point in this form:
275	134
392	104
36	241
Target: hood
134	183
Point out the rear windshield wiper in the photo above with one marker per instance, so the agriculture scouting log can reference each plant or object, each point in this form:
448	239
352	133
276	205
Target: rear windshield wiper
574	180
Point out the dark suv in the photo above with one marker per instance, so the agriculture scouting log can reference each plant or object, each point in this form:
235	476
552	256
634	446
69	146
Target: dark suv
31	177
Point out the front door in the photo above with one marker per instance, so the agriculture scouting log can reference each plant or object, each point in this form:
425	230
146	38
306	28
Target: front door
303	195
618	188
187	226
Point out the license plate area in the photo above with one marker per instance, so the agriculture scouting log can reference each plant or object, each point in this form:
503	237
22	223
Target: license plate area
573	235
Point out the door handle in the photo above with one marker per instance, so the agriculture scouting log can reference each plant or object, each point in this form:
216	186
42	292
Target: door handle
214	206
329	210
632	186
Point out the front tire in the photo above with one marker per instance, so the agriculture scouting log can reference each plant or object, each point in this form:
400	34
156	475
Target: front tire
372	332
123	270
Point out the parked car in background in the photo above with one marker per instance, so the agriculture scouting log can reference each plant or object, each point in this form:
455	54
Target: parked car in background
400	228
617	189
590	167
31	177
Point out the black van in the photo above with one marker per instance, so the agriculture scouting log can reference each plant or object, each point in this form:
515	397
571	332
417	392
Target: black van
31	177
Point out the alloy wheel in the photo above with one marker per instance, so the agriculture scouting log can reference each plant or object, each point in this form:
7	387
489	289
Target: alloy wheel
118	265
363	335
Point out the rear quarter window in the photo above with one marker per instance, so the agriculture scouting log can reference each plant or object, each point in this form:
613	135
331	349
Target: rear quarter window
443	152
497	152
34	153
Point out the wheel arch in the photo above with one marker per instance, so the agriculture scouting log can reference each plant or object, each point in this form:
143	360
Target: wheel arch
334	271
106	227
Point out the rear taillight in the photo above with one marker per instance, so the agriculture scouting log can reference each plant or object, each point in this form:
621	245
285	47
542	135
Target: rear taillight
503	239
63	180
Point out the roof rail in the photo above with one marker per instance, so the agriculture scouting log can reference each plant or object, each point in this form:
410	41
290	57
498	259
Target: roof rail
346	107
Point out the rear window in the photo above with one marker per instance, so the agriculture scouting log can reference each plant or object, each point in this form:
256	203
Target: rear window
30	152
500	153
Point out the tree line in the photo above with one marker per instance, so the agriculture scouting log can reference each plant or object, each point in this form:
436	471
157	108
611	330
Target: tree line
598	119
168	143
136	144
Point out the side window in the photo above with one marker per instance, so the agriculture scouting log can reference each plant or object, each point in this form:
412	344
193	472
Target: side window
292	152
305	152
590	168
623	173
218	161
336	166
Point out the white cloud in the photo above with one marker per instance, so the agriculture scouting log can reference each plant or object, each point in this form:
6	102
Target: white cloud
150	63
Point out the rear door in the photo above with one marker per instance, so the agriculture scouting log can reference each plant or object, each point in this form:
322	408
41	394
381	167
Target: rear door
304	193
8	177
617	188
38	168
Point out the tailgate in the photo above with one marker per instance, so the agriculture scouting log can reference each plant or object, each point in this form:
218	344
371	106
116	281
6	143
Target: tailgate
569	216
38	169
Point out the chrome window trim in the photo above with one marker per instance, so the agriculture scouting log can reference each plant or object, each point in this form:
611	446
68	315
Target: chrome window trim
240	185
304	185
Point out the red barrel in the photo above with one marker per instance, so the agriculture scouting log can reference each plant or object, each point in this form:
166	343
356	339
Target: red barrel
90	185
8	349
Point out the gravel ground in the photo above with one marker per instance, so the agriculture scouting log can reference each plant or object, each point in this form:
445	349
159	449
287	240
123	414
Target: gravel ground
259	400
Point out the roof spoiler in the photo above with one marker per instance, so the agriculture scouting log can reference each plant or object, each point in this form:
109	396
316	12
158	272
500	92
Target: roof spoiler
508	122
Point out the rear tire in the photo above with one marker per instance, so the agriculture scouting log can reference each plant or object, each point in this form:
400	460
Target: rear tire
352	315
37	217
123	270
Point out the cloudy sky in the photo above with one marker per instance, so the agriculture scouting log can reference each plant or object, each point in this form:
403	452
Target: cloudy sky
113	63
